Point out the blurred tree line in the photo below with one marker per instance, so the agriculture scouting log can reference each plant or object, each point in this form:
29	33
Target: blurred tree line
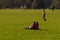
30	4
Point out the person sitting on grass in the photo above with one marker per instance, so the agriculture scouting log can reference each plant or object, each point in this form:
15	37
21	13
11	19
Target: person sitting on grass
34	25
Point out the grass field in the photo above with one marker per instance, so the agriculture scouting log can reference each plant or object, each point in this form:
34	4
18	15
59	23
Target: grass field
14	21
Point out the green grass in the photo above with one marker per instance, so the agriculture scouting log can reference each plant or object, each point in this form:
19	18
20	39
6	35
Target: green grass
14	21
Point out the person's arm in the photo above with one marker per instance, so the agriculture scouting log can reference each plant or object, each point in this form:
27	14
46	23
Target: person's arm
30	26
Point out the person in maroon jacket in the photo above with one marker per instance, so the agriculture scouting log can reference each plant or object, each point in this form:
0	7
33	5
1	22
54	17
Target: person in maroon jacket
34	25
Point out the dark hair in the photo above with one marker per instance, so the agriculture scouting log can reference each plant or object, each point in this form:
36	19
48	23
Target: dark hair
36	23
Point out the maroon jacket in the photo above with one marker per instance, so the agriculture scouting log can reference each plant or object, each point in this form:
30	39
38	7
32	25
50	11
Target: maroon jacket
35	25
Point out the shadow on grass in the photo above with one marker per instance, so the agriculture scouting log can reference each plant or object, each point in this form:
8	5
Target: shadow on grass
36	29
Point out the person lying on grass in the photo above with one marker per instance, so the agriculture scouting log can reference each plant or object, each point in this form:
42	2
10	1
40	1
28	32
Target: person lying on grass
34	25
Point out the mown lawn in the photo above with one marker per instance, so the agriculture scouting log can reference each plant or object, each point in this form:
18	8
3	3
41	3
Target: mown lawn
14	21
